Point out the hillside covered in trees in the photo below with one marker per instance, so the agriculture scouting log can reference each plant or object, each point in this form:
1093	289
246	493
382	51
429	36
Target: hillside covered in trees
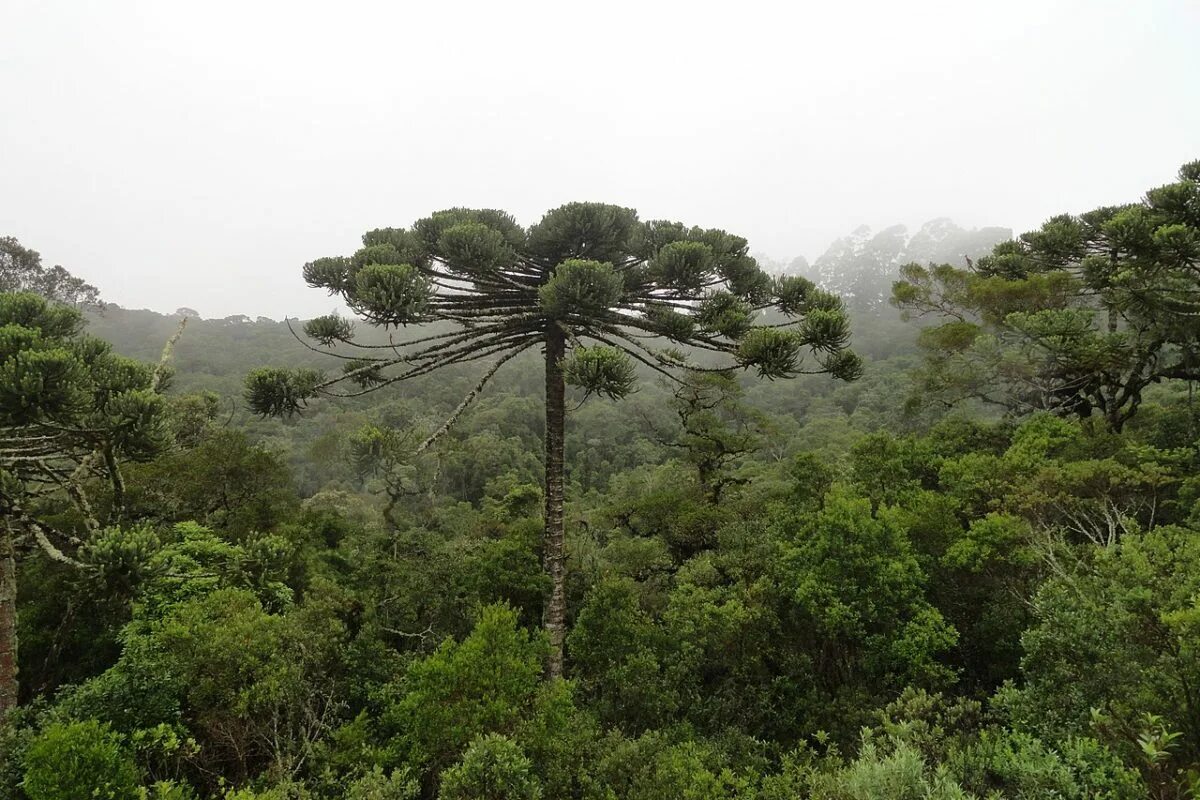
605	508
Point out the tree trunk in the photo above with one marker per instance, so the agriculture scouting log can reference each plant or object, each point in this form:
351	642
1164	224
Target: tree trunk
554	550
8	621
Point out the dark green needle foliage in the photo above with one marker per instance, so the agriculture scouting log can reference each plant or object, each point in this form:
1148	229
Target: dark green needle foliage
602	369
64	394
590	271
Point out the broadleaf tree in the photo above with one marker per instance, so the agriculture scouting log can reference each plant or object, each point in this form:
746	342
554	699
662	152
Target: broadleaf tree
1078	317
596	289
21	270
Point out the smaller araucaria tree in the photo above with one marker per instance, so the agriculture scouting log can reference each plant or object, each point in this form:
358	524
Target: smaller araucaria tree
71	411
596	288
1078	317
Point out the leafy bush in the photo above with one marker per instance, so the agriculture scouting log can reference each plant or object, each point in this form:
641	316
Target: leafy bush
485	684
74	760
378	785
492	768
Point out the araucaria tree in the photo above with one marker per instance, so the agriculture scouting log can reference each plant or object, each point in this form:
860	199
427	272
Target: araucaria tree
598	290
1078	317
71	411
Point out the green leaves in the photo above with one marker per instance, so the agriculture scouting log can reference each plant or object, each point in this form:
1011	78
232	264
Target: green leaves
137	423
687	260
112	374
21	270
1121	635
493	766
79	383
825	330
402	247
592	270
328	273
746	280
1131	230
473	248
391	294
843	365
774	351
656	234
41	385
792	293
280	392
667	322
953	337
329	329
855	575
1178	244
486	683
592	231
122	557
15	338
430	230
580	288
724	314
1178	201
1083	313
31	311
600	369
1060	241
72	760
685	266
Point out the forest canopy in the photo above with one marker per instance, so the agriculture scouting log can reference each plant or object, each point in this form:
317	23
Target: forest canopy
597	508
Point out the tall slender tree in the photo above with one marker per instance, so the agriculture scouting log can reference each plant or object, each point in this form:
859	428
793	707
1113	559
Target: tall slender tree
598	290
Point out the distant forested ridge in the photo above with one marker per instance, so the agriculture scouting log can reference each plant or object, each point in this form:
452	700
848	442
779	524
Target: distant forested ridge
972	572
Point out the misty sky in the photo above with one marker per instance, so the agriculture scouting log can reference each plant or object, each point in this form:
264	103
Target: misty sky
197	154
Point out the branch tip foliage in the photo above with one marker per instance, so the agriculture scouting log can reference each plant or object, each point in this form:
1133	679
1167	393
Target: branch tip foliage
624	291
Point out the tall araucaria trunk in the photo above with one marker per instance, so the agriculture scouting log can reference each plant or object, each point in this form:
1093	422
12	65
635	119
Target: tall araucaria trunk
554	549
8	621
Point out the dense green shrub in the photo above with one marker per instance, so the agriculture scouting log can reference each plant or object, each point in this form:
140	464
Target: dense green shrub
492	768
73	760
